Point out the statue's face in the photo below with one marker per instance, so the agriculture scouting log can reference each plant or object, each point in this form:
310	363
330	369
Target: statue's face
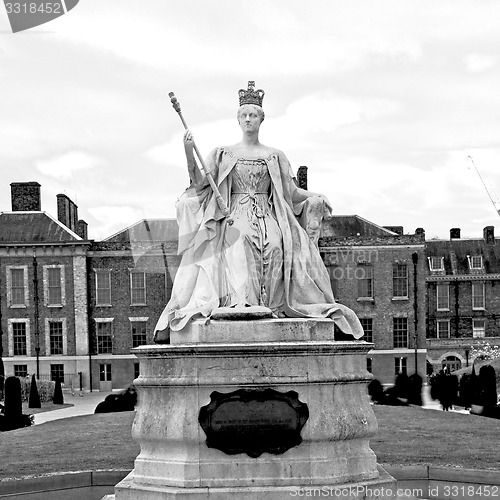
250	117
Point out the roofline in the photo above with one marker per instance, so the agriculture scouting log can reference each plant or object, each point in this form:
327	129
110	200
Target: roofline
47	244
58	222
137	223
390	233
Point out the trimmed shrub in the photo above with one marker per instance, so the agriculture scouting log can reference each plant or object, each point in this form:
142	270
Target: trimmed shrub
415	389
58	398
487	381
122	401
13	401
34	398
444	387
376	391
402	386
465	390
13	417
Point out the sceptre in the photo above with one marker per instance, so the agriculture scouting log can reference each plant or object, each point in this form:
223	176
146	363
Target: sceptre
220	201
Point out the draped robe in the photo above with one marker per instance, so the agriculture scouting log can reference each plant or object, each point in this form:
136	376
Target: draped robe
205	237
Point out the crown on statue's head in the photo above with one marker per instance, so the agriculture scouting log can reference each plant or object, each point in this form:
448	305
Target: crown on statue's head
251	96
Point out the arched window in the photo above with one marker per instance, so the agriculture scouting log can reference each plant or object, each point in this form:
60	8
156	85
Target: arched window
451	363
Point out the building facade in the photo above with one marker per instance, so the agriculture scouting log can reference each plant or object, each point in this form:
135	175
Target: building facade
463	297
74	308
380	274
43	277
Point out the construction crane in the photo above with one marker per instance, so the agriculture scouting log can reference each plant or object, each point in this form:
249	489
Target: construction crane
491	194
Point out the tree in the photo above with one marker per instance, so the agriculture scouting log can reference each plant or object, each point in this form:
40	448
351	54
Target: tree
484	350
34	401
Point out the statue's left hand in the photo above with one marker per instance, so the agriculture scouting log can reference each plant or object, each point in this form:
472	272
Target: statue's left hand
327	204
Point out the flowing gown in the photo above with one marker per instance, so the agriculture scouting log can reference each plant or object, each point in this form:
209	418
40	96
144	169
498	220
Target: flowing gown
264	258
255	262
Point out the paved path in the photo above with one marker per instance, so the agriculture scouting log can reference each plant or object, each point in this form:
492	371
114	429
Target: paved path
82	405
85	405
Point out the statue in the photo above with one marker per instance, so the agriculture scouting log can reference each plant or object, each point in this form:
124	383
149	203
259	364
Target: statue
241	238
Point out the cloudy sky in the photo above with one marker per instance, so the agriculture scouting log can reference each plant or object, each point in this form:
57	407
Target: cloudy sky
384	101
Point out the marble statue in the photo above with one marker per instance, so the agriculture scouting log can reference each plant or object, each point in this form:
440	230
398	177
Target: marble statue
265	253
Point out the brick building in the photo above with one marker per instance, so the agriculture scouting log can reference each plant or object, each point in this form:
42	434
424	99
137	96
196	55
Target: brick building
463	294
43	278
130	281
93	301
379	273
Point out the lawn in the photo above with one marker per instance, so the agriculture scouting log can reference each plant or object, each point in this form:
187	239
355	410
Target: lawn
407	435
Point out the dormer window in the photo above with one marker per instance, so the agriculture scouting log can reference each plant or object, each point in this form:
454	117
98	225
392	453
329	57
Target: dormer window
475	261
436	263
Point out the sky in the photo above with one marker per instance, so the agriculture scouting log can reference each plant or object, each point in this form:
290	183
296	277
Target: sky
391	104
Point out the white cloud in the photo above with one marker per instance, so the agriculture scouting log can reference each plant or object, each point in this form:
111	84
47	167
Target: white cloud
66	165
111	219
477	63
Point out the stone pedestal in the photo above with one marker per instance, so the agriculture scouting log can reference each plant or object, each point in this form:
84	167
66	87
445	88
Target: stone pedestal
178	379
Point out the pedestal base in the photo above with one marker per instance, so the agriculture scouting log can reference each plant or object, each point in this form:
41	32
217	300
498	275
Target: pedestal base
383	488
177	380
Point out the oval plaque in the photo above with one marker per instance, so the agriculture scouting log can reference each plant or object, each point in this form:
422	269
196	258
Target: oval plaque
253	421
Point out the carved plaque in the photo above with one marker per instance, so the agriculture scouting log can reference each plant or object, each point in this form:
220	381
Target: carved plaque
253	421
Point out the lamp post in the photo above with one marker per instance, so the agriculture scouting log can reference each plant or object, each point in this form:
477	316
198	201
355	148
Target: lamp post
414	258
37	324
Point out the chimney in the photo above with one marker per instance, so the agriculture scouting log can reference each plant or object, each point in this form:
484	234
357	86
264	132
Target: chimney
455	233
489	235
67	212
420	232
25	196
82	229
302	177
395	229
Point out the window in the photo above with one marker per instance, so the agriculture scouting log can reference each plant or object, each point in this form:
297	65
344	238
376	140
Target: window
56	337
400	332
105	372
475	261
57	372
451	363
477	295
443	297
103	288
54	293
400	366
21	371
364	274
369	365
137	288
104	337
367	324
443	328
478	328
136	370
19	338
17	286
400	280
139	331
436	263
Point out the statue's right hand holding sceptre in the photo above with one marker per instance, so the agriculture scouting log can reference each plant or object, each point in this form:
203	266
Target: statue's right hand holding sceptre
195	174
